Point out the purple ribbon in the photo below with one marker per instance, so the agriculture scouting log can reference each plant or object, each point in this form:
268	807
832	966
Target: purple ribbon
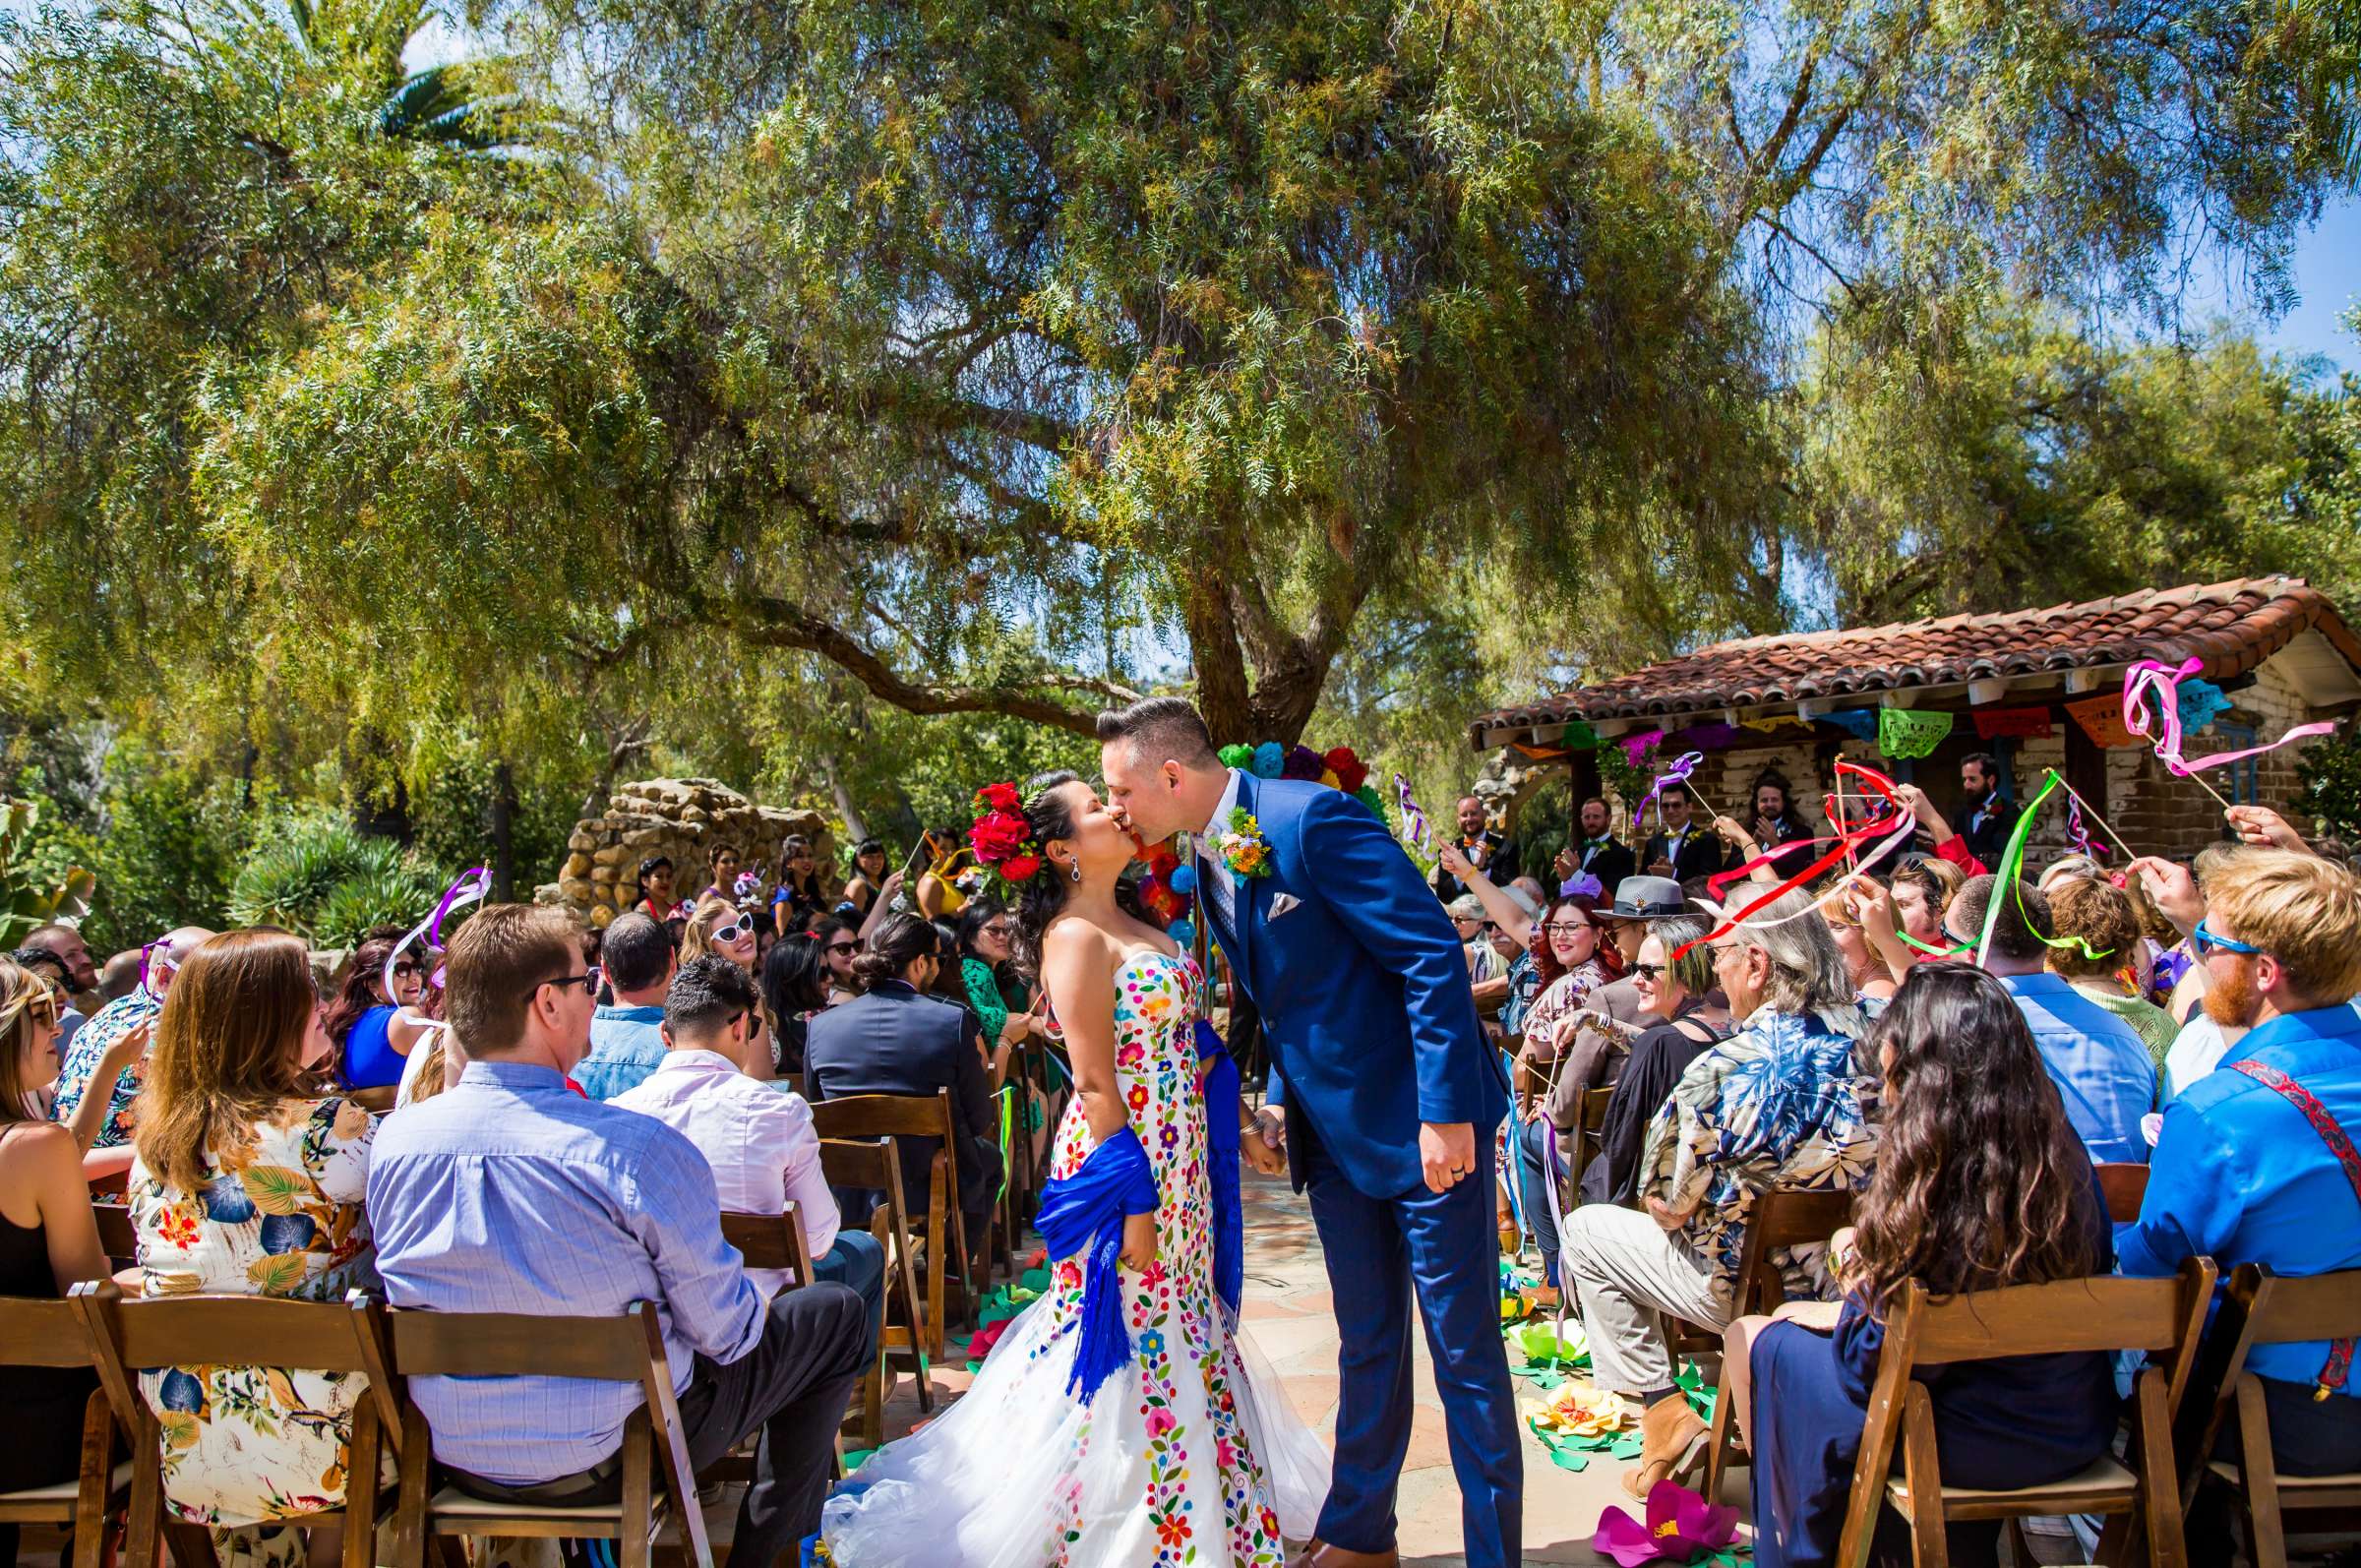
1413	821
469	886
2078	835
1678	774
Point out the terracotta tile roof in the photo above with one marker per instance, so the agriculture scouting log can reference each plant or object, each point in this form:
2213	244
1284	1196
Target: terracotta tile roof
2232	625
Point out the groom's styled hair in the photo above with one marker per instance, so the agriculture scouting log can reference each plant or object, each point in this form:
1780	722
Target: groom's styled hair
1161	727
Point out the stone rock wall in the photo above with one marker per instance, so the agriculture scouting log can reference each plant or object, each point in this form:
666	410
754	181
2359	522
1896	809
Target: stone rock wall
683	818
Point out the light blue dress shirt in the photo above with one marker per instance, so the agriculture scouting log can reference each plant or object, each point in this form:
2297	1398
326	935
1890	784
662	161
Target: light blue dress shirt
512	1194
2099	1063
2241	1177
626	1047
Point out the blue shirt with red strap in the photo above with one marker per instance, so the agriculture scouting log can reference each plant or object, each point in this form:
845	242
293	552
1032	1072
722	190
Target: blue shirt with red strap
2241	1172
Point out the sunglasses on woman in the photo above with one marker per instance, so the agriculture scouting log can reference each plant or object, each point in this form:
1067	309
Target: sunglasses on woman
723	935
406	966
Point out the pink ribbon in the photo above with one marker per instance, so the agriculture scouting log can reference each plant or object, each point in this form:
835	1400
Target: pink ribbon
2148	681
2079	836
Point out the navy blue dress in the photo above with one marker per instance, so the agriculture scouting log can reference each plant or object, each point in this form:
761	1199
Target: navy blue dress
2025	1421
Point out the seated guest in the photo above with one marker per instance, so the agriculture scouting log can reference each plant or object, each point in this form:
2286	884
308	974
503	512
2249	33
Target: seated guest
839	944
1570	965
1492	853
2099	1064
377	1029
1681	847
627	1041
655	888
140	1005
2255	1161
894	1039
797	900
249	1182
1682	1026
759	1140
64	946
868	875
121	976
1981	1183
717	926
1845	908
48	1243
985	927
509	1193
2101	958
795	990
1784	1102
1609	1017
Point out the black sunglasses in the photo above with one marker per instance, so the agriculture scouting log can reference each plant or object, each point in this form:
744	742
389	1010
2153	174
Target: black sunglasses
587	980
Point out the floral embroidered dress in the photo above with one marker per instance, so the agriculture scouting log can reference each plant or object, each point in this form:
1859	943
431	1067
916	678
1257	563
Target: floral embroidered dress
279	1215
1781	1103
1180	1458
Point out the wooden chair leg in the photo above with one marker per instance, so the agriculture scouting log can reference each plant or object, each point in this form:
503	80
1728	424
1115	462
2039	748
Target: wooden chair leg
2159	1476
2259	1474
1717	1441
636	1547
1929	1546
414	1537
192	1545
360	1489
90	1501
145	1516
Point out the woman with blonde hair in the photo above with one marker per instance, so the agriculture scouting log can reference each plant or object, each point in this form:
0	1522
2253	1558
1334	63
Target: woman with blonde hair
717	926
249	1180
49	1242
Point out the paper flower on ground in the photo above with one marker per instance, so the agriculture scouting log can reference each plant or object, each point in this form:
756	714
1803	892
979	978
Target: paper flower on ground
1681	1526
1583	1410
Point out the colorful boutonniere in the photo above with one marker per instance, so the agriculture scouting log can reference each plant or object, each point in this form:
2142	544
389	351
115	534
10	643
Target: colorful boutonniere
1243	849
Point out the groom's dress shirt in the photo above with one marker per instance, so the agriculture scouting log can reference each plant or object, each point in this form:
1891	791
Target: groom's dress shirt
1212	872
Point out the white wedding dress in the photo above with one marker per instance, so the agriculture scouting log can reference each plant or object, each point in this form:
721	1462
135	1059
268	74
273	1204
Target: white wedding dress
1181	1457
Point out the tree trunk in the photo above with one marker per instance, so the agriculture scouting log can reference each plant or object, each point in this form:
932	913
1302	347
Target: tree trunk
503	833
855	829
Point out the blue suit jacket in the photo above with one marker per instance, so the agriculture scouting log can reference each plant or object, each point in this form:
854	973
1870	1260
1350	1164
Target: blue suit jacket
1363	987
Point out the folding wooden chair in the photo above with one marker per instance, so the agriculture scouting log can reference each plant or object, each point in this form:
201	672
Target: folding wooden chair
52	1333
1779	1219
2103	1313
1588	1142
877	1167
2264	1309
2123	1184
118	1237
869	1117
128	1334
629	1347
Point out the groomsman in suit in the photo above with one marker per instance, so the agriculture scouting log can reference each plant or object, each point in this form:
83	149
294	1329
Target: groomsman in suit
1682	847
1493	853
1598	852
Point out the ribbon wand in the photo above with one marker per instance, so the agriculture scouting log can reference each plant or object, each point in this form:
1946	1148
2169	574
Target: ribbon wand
1843	822
1413	821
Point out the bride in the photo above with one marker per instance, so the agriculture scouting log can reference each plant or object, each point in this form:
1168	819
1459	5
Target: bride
1115	1423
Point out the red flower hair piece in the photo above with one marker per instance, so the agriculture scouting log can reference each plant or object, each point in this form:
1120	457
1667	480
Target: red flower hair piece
1000	836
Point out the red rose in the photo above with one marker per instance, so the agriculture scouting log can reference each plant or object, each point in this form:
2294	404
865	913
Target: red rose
1001	797
997	836
1350	772
1020	868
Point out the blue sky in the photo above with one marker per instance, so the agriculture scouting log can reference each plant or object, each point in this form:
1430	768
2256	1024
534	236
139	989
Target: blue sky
2327	278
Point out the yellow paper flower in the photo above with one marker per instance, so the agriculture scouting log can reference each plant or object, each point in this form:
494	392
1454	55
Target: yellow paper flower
1584	1409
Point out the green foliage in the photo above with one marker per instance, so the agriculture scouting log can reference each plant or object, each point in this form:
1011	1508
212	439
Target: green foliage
28	898
2330	774
163	844
312	872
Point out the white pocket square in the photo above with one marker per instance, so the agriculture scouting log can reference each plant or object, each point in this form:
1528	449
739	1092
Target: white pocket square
1281	903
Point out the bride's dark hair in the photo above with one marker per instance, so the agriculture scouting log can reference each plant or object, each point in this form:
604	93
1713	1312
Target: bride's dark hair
1040	896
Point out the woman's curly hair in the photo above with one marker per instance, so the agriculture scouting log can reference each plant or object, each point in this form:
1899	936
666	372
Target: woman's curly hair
1981	1182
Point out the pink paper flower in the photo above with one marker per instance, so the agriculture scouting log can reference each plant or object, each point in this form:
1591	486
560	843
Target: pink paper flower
1681	1526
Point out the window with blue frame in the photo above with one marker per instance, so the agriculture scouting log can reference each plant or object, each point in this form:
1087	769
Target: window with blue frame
2238	780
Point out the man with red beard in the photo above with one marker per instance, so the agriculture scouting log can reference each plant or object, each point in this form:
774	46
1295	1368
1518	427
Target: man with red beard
2255	1162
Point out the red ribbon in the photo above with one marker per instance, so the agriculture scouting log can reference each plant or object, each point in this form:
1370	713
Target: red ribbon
1847	840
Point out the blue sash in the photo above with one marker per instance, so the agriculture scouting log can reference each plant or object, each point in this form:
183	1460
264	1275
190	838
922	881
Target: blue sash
1221	1146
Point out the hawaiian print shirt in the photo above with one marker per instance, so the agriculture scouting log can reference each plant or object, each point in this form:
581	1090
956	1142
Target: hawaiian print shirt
1780	1104
92	1041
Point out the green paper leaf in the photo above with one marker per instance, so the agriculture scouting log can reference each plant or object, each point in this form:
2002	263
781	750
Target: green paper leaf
1545	1381
975	1367
1624	1447
1567	1459
854	1458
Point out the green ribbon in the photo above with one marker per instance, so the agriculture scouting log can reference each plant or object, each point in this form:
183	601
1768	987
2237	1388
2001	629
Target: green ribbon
1007	1099
2010	873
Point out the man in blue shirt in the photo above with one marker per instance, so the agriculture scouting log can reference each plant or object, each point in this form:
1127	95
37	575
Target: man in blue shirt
512	1194
2247	1168
2102	1069
627	1040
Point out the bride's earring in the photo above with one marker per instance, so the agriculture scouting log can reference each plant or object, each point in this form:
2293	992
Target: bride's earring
1073	870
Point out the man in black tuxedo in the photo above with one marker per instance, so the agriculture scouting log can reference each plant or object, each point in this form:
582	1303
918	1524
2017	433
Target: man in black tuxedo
1990	818
1682	847
1493	853
1598	853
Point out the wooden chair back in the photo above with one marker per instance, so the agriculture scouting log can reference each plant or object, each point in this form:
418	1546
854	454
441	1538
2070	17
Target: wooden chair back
35	1332
628	1348
869	1117
377	1100
878	1167
2163	1317
2123	1184
118	1237
1779	1219
772	1241
129	1334
2261	1308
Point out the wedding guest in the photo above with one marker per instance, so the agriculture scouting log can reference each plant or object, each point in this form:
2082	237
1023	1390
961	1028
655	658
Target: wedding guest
1777	824
894	1039
798	900
1784	1102
1598	853
627	1041
48	1243
985	928
1981	1183
374	1028
121	976
839	945
723	862
1609	1018
2254	1161
757	1140
1991	817
1476	929
1844	909
1489	851
99	1038
1572	968
1682	1025
717	926
2101	961
2100	1066
1510	949
510	1194
249	1180
64	943
655	888
868	881
1680	848
795	990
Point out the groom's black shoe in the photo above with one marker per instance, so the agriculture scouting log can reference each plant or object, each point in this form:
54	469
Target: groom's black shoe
1321	1554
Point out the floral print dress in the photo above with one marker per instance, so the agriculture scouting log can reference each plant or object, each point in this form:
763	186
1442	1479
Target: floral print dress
1180	1457
279	1214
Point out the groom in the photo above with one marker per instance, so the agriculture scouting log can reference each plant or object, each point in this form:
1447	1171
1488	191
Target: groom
1390	1098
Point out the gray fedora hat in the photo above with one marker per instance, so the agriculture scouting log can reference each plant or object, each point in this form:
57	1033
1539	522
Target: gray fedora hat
1649	899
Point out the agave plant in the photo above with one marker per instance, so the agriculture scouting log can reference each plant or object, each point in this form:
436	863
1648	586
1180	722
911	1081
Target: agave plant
318	876
27	903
